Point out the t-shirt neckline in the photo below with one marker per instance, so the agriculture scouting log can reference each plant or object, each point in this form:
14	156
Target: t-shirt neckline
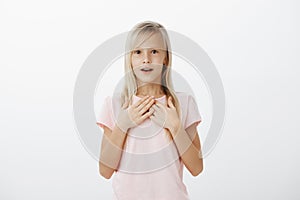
162	97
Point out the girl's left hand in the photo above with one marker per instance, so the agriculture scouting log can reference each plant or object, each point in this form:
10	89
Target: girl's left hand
165	115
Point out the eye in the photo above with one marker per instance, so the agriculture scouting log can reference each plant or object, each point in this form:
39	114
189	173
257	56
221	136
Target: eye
154	51
137	52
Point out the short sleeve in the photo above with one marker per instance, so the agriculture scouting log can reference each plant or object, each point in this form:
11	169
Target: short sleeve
193	114
105	116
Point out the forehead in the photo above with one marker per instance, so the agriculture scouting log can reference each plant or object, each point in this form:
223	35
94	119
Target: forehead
154	40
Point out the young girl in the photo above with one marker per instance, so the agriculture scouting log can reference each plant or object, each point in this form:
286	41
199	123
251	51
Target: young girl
149	129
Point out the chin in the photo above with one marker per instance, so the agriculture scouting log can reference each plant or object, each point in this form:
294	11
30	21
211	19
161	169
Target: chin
149	79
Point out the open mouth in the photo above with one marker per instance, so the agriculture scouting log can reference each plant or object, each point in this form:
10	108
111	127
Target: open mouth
146	69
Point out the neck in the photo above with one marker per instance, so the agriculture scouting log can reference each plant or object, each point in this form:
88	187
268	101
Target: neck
150	89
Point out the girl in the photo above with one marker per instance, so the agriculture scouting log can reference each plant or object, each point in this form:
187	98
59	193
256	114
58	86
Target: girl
150	131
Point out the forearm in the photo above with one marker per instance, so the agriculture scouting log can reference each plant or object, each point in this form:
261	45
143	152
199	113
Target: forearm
112	147
189	153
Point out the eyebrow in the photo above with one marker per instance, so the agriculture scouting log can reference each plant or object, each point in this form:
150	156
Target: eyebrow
150	48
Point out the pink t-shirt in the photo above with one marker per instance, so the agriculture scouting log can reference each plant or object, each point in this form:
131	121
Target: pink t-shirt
150	167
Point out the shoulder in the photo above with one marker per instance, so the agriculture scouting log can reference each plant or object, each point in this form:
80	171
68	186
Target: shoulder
181	95
111	103
187	101
184	97
115	103
113	99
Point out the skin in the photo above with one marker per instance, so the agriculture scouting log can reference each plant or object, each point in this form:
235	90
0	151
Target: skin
114	140
151	53
186	140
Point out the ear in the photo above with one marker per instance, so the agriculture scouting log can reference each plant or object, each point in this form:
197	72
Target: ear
165	61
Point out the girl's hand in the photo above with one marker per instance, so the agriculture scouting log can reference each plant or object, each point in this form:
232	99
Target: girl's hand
165	115
135	114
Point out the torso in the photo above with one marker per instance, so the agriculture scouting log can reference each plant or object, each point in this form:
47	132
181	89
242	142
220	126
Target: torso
150	167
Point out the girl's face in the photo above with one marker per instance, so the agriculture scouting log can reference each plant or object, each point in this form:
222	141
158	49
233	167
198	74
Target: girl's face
147	60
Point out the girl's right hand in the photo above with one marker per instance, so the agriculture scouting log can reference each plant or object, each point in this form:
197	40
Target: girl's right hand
135	114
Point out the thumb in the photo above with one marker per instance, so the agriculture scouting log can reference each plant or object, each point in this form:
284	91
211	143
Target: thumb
125	104
170	103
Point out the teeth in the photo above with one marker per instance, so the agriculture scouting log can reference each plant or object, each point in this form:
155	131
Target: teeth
146	69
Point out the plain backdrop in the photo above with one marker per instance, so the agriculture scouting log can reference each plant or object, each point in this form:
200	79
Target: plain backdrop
254	45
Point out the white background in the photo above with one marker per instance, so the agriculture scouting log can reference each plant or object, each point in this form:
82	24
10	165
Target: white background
254	45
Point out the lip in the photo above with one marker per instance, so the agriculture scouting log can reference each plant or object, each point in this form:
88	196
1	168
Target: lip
146	67
146	72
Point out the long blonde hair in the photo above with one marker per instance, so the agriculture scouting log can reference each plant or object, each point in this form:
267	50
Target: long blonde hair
139	33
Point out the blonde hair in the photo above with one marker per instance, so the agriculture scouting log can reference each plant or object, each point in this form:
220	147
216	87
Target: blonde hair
139	33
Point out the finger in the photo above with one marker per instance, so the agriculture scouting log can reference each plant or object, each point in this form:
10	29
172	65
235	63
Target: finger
146	107
159	104
140	101
160	107
155	107
147	114
153	118
142	105
170	103
152	109
125	104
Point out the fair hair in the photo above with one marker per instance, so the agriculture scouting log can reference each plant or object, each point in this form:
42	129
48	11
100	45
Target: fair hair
136	36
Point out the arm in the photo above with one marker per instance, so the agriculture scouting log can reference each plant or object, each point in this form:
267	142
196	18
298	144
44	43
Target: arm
111	151
113	140
189	148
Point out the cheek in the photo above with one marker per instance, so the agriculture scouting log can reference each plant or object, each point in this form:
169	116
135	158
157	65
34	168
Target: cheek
159	59
135	62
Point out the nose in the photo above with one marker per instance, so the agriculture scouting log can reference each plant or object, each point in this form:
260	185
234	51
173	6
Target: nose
146	58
